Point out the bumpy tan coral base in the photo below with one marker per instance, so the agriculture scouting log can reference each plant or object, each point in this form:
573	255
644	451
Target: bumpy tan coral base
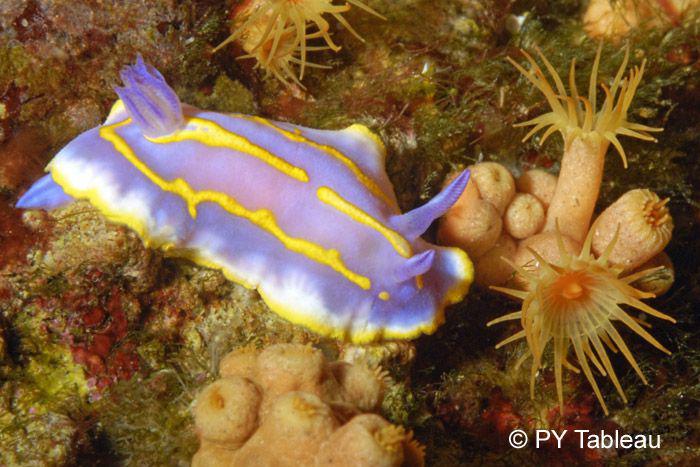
287	406
577	189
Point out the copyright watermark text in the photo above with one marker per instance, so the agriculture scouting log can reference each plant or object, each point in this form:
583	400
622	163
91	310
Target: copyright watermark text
518	439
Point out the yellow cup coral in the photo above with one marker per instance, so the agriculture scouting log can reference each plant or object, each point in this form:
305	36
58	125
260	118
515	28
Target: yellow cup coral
644	225
491	269
495	184
524	216
661	280
615	19
291	430
539	184
574	303
288	367
548	246
227	410
365	440
275	32
587	131
474	222
474	228
278	55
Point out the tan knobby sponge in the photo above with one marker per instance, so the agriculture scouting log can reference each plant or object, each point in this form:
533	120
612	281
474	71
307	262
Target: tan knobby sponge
291	432
281	406
495	184
227	410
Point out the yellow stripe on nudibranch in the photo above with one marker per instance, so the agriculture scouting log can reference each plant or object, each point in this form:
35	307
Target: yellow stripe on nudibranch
364	336
265	219
211	134
262	218
177	186
331	151
333	199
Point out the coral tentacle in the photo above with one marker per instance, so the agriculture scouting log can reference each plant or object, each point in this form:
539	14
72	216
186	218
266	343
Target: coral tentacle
573	303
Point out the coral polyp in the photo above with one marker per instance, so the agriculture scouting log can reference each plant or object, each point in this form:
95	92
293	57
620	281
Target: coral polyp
587	131
645	227
577	116
288	406
614	20
278	56
275	24
574	304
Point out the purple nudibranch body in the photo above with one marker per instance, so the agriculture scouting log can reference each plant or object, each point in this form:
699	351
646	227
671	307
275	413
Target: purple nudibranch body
307	217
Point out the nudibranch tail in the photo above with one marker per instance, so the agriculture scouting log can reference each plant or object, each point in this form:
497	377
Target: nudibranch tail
44	194
150	102
414	223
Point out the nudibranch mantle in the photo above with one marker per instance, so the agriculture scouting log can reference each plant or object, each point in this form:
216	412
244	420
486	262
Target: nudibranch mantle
307	217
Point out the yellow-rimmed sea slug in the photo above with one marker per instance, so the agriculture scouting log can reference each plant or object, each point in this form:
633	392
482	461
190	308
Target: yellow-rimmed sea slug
307	217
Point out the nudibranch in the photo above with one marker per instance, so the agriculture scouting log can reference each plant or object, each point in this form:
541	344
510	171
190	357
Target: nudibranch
307	217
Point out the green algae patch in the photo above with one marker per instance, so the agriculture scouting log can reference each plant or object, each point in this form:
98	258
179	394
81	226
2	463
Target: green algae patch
226	95
149	420
43	407
54	373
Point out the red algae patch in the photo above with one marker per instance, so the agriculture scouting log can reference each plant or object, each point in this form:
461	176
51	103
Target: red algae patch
15	238
20	163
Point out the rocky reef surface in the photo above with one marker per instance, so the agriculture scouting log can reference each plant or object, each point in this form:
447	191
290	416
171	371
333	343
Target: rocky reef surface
105	344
